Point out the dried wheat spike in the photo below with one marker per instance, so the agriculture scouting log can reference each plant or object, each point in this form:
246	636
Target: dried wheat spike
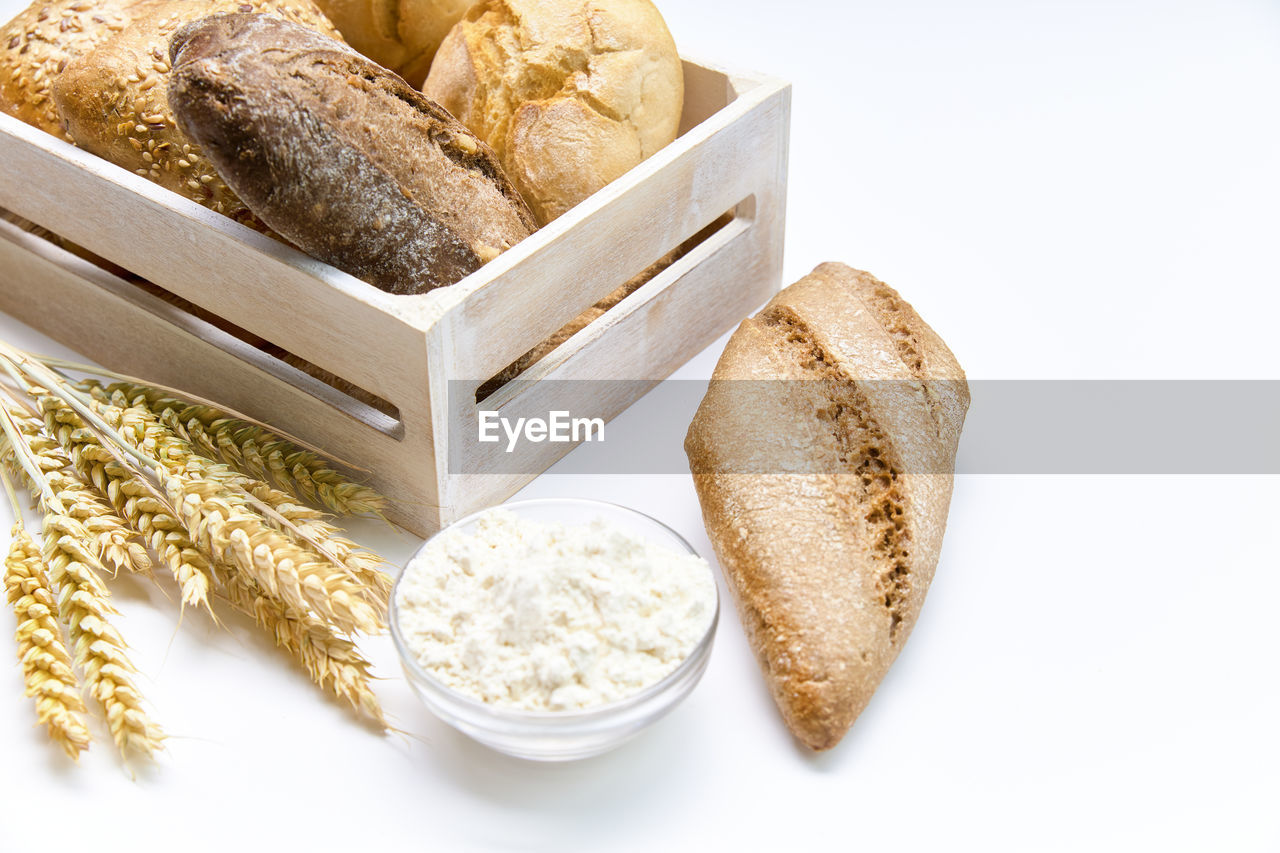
114	542
99	650
332	661
271	559
212	502
46	664
183	456
257	452
364	566
134	501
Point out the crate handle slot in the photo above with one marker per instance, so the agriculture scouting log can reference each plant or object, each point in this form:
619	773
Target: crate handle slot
635	290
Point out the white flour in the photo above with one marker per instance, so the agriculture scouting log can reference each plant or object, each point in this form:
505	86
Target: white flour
549	616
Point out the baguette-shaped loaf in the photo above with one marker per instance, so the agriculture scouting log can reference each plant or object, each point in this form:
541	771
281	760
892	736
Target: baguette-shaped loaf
570	93
112	98
340	156
825	484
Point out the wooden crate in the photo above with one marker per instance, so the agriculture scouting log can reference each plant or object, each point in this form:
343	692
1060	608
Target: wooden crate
424	356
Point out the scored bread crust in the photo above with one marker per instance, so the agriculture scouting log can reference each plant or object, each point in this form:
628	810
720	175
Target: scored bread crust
825	483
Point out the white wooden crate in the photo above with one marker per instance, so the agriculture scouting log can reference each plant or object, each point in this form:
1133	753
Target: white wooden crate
424	355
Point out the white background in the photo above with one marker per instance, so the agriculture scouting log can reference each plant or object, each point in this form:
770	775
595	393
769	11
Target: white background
1063	190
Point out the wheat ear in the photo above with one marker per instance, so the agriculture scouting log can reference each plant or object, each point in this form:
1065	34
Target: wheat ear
218	518
258	452
46	664
113	540
364	566
308	524
135	500
83	604
331	660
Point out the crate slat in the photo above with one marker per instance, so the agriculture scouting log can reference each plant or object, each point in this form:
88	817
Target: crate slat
409	350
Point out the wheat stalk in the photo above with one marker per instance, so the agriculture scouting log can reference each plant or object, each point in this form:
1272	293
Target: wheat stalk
99	650
363	566
256	451
134	499
82	599
331	660
267	556
280	562
113	539
46	664
217	507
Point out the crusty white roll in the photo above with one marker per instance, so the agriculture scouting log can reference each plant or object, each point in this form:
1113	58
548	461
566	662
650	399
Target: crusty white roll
401	35
569	93
823	455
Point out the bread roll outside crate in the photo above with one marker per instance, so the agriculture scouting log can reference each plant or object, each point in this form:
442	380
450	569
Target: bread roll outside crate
823	456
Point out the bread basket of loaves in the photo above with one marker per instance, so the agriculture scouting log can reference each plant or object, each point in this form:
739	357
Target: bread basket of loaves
373	222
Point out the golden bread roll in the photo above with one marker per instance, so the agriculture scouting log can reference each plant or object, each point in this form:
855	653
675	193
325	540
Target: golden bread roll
824	474
569	93
401	35
39	42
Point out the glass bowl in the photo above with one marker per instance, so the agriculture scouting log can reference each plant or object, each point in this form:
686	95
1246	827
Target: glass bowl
560	735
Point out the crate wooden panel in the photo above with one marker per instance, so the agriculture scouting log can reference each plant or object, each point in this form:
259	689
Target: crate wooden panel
424	355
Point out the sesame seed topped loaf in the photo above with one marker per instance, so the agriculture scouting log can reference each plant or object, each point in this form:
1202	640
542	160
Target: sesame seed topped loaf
824	474
112	99
340	156
36	46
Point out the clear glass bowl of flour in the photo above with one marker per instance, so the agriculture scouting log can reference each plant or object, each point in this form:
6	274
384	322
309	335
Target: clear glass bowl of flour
551	735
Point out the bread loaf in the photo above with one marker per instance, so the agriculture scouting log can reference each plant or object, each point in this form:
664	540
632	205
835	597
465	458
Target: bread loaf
341	156
112	99
402	35
825	482
569	93
37	45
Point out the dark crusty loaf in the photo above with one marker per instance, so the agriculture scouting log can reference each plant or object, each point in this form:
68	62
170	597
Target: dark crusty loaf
340	156
111	99
825	485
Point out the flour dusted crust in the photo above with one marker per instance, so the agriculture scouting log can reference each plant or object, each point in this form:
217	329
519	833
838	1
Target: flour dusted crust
569	93
340	156
826	497
112	99
402	35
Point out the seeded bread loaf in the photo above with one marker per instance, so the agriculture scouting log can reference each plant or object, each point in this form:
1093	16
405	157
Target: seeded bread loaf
570	93
112	98
37	45
402	35
340	156
823	456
